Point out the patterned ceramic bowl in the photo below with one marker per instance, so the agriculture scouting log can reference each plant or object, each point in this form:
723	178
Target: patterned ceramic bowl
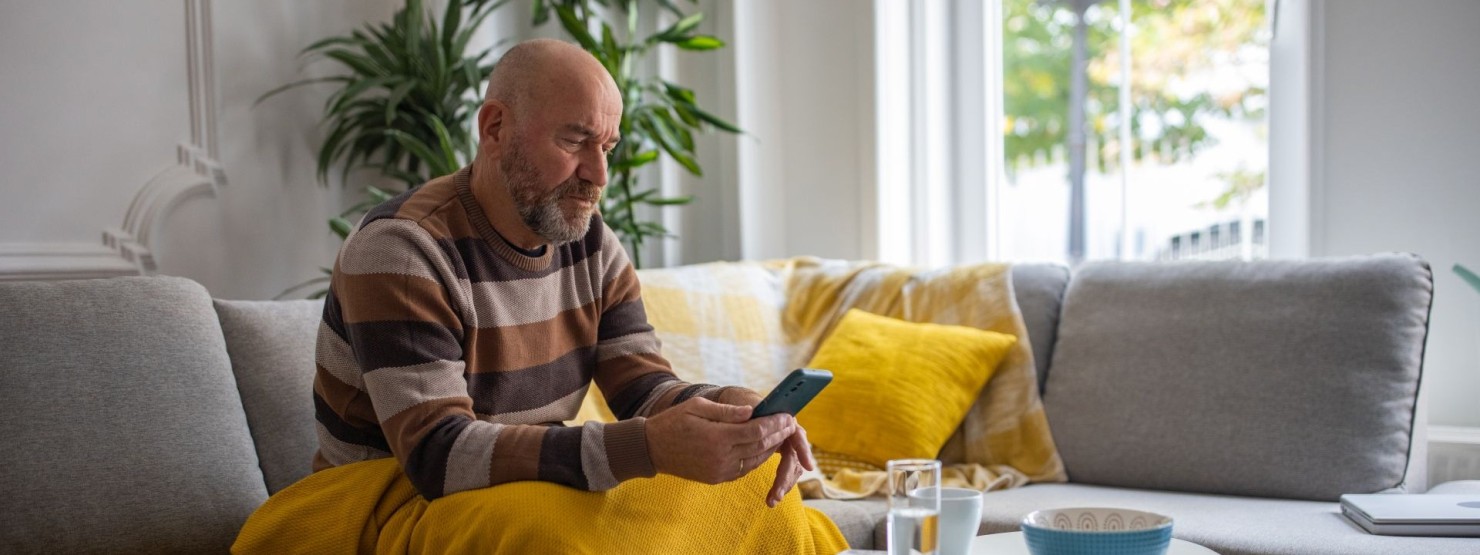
1099	531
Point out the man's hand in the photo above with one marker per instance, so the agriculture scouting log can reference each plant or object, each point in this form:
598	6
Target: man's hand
709	442
796	452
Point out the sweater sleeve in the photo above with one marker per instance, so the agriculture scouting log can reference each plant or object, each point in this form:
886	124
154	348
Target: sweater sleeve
635	378
396	290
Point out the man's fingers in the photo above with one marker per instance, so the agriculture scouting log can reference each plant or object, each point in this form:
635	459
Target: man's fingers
803	448
786	477
710	410
768	428
767	444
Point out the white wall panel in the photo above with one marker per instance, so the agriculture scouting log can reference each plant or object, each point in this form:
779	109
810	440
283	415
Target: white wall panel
93	100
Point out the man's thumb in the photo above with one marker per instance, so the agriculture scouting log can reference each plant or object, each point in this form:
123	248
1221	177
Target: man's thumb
710	410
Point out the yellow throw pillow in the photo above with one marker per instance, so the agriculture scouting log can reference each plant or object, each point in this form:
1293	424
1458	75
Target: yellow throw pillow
899	388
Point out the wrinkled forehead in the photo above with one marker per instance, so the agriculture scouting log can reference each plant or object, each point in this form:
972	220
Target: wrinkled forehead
588	100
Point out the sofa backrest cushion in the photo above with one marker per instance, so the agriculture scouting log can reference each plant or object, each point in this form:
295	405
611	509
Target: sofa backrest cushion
1039	290
272	344
122	430
1291	379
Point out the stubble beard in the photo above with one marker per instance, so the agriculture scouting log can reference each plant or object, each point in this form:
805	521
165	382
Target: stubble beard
542	213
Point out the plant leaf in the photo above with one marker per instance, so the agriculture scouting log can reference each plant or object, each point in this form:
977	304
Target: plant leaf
576	27
296	84
680	30
340	227
541	12
449	153
359	63
451	21
418	148
394	99
668	5
716	120
673	150
378	195
678	94
700	42
350	93
331	41
686	115
1468	276
670	201
636	161
665	121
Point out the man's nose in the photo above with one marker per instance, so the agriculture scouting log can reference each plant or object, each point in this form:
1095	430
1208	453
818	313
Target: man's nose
593	167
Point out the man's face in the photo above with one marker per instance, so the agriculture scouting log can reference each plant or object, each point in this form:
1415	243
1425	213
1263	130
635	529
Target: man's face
555	164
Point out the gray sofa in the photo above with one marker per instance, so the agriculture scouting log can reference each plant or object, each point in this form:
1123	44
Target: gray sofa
1242	399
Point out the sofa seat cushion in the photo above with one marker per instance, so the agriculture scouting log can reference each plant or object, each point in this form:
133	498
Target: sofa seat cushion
1225	524
856	518
122	430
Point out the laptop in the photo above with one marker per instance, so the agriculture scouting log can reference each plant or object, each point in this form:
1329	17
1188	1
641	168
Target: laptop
1392	514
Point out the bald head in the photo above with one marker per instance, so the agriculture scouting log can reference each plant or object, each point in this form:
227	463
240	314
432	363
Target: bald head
532	72
550	120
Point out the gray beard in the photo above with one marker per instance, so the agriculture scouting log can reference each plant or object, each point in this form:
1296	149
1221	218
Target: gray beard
542	214
549	221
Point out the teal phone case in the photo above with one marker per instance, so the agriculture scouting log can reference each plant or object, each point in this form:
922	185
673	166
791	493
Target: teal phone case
794	392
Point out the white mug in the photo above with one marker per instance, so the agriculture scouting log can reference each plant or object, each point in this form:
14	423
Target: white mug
960	515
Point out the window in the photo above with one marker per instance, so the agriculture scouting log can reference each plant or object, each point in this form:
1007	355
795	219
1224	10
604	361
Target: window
1190	184
975	103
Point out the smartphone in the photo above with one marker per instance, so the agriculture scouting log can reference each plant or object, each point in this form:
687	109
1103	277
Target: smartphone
793	393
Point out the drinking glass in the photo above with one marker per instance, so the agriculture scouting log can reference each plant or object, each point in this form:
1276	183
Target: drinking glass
914	526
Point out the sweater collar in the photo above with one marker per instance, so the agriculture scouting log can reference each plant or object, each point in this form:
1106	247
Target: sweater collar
463	181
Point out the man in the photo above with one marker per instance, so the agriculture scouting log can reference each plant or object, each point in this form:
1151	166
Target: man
467	318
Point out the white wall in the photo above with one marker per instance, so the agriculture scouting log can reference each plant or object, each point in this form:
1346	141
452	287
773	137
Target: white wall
92	104
272	232
710	227
80	139
96	99
806	166
1392	165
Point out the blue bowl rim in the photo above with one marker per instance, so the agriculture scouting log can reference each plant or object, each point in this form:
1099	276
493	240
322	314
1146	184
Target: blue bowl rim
1026	523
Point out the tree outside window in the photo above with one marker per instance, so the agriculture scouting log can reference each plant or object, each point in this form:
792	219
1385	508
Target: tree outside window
1198	78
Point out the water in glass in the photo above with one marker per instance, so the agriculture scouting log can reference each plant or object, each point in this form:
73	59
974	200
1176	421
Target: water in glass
913	524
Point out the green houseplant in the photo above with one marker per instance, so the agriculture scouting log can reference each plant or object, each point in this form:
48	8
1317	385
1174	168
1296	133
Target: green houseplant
1468	276
405	105
658	116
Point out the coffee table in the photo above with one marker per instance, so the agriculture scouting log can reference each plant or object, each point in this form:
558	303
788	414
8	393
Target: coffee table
1012	543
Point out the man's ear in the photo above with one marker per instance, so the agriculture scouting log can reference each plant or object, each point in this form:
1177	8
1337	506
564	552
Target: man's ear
493	122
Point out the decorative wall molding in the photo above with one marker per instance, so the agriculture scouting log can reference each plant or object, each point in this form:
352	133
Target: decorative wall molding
197	172
51	261
127	249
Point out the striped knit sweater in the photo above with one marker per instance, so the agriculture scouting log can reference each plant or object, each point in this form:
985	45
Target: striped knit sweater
445	347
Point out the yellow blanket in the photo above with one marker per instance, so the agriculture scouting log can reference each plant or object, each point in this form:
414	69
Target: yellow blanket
1004	440
370	507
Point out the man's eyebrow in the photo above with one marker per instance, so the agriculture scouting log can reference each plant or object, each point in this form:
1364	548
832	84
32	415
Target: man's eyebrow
580	129
586	131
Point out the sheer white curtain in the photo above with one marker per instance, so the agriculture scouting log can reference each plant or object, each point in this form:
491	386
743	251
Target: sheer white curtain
939	120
